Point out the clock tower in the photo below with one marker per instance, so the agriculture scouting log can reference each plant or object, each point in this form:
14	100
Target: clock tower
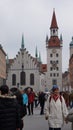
54	56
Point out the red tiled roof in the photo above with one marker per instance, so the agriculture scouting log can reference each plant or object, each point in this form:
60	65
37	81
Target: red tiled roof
54	22
54	42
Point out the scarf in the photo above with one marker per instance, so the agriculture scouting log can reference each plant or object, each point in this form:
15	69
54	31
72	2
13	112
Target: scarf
55	97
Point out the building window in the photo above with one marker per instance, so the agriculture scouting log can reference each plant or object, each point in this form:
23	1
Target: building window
54	74
50	74
31	79
57	68
14	79
51	61
51	55
57	61
57	55
22	78
51	68
54	82
57	74
53	30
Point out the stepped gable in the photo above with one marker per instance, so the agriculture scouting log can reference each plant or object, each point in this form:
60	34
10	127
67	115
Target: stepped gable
34	60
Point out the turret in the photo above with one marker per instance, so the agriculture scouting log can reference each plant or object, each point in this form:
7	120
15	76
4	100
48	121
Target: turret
71	47
22	43
61	40
36	53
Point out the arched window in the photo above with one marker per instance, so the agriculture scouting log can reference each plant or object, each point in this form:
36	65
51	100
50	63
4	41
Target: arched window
22	78
14	79
31	79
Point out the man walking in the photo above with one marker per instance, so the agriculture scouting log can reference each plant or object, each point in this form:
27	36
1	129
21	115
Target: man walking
55	109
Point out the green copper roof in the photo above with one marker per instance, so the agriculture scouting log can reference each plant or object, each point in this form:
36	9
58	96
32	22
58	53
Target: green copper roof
7	59
71	43
22	43
36	53
39	57
61	38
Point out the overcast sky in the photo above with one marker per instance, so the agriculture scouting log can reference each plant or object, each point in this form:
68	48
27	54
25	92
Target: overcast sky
33	19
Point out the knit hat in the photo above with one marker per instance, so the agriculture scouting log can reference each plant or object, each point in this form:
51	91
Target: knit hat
55	87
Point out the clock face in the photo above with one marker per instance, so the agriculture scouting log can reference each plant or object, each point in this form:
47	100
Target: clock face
54	64
53	50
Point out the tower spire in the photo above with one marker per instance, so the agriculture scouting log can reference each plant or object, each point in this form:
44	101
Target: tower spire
36	53
39	57
54	40
54	21
54	26
61	40
7	59
22	43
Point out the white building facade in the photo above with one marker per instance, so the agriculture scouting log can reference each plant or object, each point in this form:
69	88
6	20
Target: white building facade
24	71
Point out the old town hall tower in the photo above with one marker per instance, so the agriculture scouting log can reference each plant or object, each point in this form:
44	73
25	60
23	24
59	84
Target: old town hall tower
54	56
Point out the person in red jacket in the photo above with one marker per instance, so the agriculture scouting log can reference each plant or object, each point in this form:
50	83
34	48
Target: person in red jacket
30	94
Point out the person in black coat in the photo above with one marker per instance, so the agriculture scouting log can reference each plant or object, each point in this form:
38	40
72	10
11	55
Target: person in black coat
19	98
9	111
42	102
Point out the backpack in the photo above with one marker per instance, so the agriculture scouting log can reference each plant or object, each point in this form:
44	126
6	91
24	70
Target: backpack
51	98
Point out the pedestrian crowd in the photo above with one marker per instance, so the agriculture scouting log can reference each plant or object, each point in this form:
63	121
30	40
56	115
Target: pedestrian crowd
15	104
13	107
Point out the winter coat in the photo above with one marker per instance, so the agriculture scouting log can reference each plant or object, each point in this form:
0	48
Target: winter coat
55	111
9	113
25	99
30	97
42	99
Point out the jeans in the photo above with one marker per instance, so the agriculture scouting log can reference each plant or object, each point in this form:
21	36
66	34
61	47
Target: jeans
54	128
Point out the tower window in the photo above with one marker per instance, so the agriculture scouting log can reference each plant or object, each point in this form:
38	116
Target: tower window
51	55
51	61
57	74
51	68
54	74
57	55
57	61
53	31
50	74
57	68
